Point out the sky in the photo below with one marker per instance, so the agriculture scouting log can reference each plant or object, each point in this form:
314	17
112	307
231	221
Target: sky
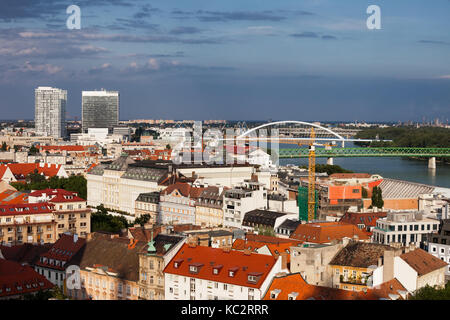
232	59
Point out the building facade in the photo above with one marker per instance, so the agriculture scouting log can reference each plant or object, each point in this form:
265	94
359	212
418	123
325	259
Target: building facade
404	227
148	203
27	223
50	111
209	207
100	109
70	211
204	273
240	200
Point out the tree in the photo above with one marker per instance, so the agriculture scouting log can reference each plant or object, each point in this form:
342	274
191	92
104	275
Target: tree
33	150
4	146
377	197
35	181
168	147
102	221
364	193
142	219
430	293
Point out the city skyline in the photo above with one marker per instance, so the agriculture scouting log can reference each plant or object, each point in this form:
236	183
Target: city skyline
230	60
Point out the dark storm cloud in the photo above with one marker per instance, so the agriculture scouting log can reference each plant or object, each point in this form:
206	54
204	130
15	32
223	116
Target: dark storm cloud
146	11
185	30
135	24
24	9
312	35
221	16
306	34
438	42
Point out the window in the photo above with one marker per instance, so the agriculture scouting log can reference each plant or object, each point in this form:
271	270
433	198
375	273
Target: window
400	228
225	287
435	226
416	227
337	272
128	290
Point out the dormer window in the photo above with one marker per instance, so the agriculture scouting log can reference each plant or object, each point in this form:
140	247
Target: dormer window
292	295
274	293
177	263
232	271
216	269
253	277
193	269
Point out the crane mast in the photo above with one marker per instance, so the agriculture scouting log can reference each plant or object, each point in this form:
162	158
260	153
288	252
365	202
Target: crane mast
312	178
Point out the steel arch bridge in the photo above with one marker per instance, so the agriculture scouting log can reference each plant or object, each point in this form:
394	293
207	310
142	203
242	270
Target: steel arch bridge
321	132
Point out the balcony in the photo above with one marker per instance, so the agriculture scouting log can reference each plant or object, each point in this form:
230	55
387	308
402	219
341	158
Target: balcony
362	281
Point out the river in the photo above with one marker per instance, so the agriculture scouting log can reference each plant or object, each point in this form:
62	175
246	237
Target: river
392	167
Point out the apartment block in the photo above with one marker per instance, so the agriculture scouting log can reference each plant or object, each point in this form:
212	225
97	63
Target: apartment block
405	227
240	200
204	273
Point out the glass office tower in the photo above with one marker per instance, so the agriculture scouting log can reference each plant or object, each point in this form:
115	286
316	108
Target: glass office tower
50	111
100	109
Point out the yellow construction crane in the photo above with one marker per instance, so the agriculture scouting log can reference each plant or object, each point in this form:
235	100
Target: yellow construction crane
312	177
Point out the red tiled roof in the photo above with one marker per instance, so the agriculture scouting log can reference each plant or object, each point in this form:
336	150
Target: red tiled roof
422	261
28	208
369	219
276	249
294	283
64	249
65	148
13	197
16	279
24	169
24	253
244	264
184	188
325	232
57	195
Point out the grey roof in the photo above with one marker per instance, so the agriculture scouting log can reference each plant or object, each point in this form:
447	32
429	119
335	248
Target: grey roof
399	189
120	164
289	224
150	197
261	217
145	174
98	170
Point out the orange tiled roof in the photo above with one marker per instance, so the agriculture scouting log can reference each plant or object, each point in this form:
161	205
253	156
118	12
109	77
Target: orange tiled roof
294	283
13	197
24	169
207	258
65	148
184	188
325	232
275	248
369	219
422	261
58	195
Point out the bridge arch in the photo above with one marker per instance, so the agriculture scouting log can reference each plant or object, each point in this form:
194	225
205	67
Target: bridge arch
338	136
